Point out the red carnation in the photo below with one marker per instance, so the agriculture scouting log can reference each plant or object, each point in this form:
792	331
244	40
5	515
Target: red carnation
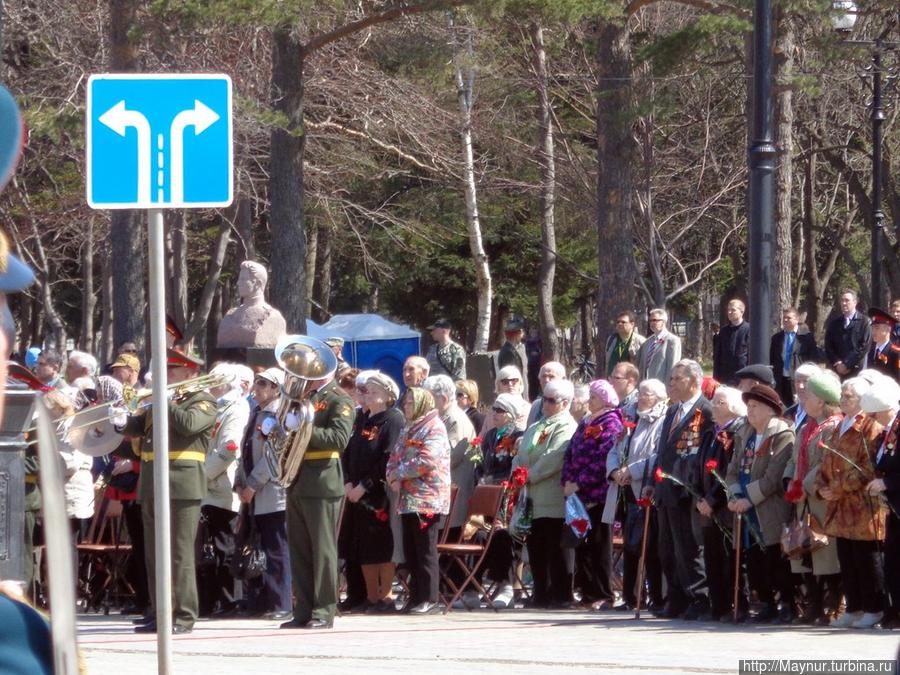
644	502
822	445
659	475
580	525
629	425
520	476
711	466
231	446
476	441
381	515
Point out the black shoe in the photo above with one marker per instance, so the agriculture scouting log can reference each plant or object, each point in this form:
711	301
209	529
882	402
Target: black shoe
624	607
318	624
277	615
349	606
671	612
132	608
382	607
294	623
695	610
149	627
143	620
728	617
786	615
178	629
227	613
767	615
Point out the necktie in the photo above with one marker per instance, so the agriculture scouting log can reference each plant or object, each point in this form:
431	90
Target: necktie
651	349
788	351
676	419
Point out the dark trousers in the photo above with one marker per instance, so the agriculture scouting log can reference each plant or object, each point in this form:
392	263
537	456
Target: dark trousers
631	560
861	574
718	561
356	583
548	568
136	573
892	564
275	583
680	555
593	559
420	551
184	520
312	542
770	572
215	585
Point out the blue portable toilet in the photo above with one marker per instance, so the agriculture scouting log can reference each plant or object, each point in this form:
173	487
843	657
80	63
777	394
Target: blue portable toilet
373	342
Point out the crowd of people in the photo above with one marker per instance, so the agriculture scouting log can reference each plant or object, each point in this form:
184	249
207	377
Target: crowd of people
701	480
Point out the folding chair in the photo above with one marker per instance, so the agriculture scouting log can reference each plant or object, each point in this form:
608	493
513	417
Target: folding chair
102	556
485	502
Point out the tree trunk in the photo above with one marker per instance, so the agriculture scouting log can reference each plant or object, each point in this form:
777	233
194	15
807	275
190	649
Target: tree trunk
615	161
106	304
784	141
288	258
200	314
323	276
547	161
89	301
483	283
312	253
243	225
178	299
126	227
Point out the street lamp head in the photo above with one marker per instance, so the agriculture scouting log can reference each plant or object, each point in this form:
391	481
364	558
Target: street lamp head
844	15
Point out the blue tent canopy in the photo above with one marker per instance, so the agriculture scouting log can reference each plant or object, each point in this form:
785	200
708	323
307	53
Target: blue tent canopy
371	341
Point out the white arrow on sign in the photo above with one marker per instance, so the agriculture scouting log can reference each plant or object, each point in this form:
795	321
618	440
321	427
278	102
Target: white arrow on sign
201	117
119	119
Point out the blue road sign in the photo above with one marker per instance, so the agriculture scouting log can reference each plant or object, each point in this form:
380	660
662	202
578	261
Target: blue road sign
159	141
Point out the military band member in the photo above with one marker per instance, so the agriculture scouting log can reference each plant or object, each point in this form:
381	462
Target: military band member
191	420
884	354
313	507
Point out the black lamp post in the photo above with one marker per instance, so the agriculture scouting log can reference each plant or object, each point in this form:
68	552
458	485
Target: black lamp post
761	162
843	21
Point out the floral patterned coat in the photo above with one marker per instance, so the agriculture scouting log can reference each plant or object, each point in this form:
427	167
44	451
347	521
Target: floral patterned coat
855	514
585	459
420	460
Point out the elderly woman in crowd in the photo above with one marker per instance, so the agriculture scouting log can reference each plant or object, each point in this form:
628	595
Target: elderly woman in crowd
755	474
508	381
418	470
819	397
728	413
797	412
366	538
467	400
627	468
580	408
852	515
584	474
415	370
542	451
219	509
887	486
79	486
552	370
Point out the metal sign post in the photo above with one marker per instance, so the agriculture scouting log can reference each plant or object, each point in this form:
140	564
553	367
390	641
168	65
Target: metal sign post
159	142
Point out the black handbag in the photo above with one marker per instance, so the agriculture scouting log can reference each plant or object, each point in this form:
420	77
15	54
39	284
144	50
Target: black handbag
249	560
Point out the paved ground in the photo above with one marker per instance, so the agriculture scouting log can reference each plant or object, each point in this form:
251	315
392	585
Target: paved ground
512	642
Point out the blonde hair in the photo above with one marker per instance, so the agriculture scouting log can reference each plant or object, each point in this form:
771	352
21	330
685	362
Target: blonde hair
470	389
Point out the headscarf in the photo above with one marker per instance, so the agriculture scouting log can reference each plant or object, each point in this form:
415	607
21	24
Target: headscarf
423	403
604	391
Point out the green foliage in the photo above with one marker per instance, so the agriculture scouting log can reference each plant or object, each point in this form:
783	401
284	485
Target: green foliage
665	53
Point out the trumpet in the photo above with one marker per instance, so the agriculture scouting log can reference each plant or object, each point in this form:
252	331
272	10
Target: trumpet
138	400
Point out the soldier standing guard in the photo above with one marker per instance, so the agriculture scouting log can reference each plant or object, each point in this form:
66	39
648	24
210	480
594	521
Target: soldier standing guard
191	420
313	508
884	353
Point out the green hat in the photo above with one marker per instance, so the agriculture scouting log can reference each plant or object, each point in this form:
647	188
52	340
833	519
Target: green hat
826	386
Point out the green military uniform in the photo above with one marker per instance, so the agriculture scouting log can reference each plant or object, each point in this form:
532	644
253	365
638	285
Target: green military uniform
190	426
313	507
32	509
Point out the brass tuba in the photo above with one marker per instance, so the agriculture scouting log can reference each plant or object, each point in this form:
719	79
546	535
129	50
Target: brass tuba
305	361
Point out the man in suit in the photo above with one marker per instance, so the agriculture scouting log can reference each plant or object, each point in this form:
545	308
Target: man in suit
884	354
624	345
847	338
732	346
687	423
661	350
789	348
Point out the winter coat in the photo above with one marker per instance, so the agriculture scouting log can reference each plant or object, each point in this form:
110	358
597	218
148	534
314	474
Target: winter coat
257	468
766	487
585	458
854	514
542	451
224	452
460	433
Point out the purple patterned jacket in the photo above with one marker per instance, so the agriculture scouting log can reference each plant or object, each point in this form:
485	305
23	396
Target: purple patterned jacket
585	459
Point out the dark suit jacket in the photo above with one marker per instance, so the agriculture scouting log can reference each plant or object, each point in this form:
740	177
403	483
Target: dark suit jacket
681	462
730	351
850	344
805	349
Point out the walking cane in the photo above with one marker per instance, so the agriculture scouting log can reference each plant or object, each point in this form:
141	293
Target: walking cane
643	561
737	562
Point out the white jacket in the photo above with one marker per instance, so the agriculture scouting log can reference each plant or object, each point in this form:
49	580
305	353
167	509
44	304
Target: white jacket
79	487
223	454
